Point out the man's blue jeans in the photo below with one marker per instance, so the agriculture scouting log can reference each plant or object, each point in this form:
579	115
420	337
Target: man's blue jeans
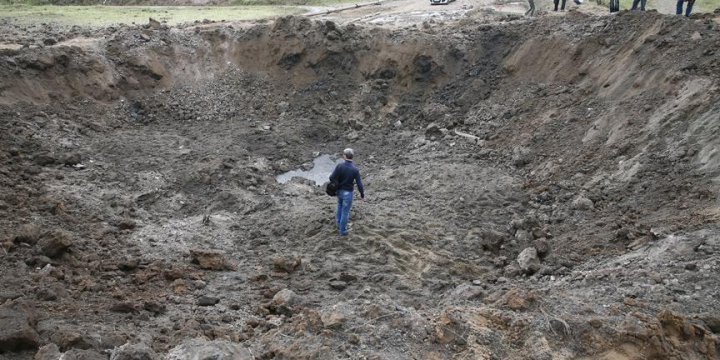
343	210
679	9
635	4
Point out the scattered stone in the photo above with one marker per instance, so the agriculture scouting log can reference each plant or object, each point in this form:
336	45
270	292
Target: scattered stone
210	259
154	24
80	354
338	285
332	320
348	278
28	234
49	41
124	307
284	298
491	240
542	247
44	159
582	203
196	349
48	352
46	294
523	236
207	301
596	322
468	292
275	321
53	244
517	300
17	331
528	260
433	131
6	295
450	328
133	352
112	340
691	266
512	270
286	264
72	159
40	261
67	339
713	323
128	264
126	224
154	307
521	156
546	270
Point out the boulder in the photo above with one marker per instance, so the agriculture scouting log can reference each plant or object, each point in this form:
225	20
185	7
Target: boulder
433	130
203	349
28	234
338	285
48	352
17	331
80	354
207	301
210	259
55	243
134	352
72	159
67	339
582	203
528	260
286	264
332	320
491	240
284	298
468	292
542	247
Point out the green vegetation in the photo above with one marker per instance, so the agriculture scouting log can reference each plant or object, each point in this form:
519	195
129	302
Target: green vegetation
108	15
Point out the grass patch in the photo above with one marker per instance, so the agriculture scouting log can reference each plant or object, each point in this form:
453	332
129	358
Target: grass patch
111	15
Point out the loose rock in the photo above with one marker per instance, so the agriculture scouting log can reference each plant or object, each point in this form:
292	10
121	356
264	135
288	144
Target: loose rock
210	259
528	260
55	243
17	331
207	301
202	349
134	352
582	203
286	264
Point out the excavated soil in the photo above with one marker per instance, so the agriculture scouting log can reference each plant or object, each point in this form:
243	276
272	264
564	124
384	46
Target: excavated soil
538	189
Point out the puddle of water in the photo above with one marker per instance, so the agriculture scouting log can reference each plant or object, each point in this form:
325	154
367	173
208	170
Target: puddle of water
323	166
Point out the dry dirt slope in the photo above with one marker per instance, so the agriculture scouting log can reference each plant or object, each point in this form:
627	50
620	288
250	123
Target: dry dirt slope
539	189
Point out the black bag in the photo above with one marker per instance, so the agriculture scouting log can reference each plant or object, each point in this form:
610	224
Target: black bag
331	188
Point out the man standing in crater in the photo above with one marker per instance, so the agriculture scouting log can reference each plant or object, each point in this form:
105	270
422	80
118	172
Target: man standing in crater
346	175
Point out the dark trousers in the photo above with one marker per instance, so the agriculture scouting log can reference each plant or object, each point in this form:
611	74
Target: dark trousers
642	4
561	7
614	6
690	4
531	10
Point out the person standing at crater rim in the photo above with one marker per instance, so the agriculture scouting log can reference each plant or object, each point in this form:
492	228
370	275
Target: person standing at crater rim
346	175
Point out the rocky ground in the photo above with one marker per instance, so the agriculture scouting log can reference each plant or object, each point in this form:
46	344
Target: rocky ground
540	189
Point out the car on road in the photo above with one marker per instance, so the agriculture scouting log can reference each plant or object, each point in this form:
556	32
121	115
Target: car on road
440	2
